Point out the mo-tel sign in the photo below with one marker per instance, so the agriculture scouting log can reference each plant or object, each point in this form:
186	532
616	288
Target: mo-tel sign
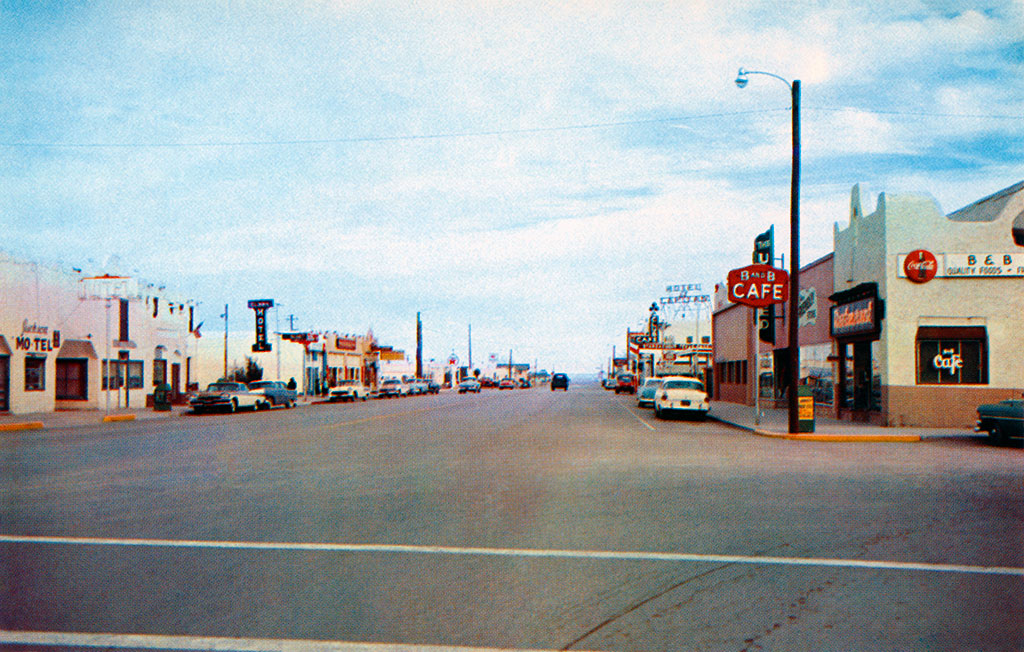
758	285
261	306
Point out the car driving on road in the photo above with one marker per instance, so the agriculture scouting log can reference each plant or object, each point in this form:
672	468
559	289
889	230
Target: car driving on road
1002	421
559	381
275	392
645	395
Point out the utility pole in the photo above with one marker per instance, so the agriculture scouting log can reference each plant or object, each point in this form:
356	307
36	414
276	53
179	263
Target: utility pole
419	346
225	316
510	363
471	347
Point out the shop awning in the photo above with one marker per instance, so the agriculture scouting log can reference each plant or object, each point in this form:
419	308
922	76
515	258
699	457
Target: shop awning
4	349
77	349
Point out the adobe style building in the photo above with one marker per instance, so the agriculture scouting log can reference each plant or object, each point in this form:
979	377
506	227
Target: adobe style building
57	327
913	320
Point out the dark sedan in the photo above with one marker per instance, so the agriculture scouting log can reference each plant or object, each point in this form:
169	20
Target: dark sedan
1003	420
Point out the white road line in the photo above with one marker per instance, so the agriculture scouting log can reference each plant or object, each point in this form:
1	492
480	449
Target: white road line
627	408
152	641
384	548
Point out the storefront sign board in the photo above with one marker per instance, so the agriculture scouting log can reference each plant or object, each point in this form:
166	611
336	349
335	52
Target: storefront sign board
758	285
960	265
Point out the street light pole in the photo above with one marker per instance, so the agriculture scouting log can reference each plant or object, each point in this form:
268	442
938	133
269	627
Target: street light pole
794	248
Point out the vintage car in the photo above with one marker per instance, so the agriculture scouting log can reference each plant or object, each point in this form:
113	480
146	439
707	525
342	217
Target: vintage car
681	394
1003	420
645	395
469	385
348	390
625	382
226	395
506	383
390	387
275	392
559	381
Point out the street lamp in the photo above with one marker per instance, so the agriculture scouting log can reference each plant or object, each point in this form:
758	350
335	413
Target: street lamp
794	244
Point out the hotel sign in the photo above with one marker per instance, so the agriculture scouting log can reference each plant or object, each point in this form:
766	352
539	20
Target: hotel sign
858	317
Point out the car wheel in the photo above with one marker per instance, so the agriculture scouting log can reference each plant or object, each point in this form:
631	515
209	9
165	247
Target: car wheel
995	435
657	411
233	406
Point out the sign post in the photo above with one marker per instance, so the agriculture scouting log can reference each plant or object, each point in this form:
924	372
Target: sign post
758	286
261	306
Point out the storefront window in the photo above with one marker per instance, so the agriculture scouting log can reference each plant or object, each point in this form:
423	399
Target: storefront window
952	356
816	371
135	374
35	374
113	374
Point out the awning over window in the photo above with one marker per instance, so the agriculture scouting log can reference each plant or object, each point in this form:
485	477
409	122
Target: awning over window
4	349
77	349
951	333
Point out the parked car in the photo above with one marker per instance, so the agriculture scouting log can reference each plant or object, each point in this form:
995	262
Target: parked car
681	394
488	382
522	383
417	386
275	393
559	381
1002	421
391	387
645	395
624	382
349	390
433	387
469	385
506	383
226	395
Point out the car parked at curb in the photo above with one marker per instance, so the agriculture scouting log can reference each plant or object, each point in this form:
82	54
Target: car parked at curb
682	394
507	383
390	388
1002	421
625	382
645	394
228	396
469	385
275	393
348	390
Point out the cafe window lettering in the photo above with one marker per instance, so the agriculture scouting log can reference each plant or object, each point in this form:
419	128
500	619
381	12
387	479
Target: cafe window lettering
35	374
952	356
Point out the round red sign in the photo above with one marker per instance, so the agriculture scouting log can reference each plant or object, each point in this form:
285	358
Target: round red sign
920	266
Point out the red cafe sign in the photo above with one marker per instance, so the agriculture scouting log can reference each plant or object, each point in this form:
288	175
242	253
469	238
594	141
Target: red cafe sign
920	266
758	285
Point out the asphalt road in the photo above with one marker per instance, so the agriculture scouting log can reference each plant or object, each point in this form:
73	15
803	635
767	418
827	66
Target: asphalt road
509	519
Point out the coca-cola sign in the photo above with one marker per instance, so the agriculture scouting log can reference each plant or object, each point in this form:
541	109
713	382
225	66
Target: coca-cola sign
920	266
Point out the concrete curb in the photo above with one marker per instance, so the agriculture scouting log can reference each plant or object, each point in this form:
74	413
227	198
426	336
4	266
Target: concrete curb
28	425
118	417
822	437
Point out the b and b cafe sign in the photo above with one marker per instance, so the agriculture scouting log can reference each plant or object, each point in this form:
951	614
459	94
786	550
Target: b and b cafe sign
921	265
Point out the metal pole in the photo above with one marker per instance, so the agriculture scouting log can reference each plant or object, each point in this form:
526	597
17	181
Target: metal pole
794	266
106	363
277	333
757	368
225	315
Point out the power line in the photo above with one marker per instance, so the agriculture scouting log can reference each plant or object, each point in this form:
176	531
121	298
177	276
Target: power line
488	132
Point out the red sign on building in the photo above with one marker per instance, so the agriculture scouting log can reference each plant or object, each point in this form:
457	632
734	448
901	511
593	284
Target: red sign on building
920	266
758	285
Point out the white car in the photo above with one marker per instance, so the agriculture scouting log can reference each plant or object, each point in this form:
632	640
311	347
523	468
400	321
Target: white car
225	395
469	385
681	394
349	390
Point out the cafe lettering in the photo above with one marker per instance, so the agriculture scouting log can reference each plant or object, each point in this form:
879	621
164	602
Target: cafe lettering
855	318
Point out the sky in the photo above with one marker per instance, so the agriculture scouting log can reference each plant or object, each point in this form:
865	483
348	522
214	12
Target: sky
537	171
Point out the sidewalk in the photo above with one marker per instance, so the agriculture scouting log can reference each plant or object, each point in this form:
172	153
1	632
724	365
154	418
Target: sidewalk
775	423
76	418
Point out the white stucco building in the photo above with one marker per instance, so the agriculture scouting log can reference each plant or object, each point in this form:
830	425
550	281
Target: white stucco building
927	308
57	327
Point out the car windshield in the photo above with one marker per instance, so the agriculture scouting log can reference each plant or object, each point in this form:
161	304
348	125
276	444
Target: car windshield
652	382
262	383
684	384
224	387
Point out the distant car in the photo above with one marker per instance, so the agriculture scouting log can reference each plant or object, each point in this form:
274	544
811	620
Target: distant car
608	383
226	395
417	386
1002	421
522	383
469	385
645	395
390	387
559	381
349	390
433	387
506	383
488	382
681	394
276	392
624	383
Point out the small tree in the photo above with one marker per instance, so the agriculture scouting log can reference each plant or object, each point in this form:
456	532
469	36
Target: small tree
251	373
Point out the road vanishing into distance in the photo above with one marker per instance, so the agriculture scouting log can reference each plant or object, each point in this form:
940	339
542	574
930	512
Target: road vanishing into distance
524	519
